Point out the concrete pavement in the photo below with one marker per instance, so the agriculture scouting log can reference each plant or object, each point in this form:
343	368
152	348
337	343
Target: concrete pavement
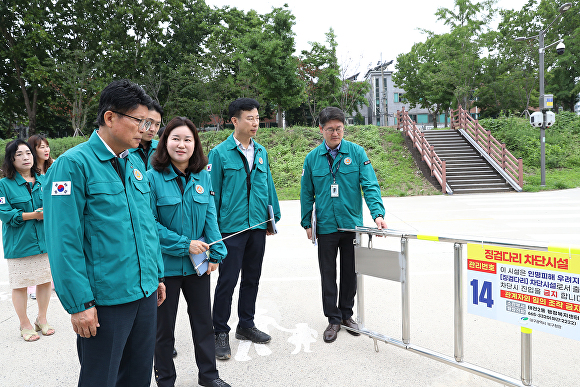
289	307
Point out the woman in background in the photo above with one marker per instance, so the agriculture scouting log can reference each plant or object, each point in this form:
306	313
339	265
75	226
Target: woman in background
183	205
39	144
23	236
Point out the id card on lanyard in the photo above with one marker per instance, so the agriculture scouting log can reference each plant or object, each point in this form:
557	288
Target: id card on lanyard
334	185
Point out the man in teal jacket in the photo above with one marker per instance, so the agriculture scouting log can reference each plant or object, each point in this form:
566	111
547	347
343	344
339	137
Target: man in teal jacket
243	187
333	175
103	244
148	145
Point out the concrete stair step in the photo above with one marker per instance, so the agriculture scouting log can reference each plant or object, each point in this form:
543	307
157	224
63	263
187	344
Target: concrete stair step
443	142
458	152
480	190
473	177
495	180
478	185
468	168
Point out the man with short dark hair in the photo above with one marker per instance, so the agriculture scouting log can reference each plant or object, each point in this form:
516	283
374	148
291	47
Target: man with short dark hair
244	188
334	174
148	144
103	244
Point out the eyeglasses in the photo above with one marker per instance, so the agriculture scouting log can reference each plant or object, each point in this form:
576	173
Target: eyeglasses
337	130
144	123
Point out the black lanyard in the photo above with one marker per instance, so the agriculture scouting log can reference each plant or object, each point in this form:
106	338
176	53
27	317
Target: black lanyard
248	172
330	161
115	162
180	178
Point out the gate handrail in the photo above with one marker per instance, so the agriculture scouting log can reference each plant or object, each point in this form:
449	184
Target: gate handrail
461	119
427	152
526	245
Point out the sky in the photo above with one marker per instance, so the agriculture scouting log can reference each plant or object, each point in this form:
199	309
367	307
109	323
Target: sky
366	30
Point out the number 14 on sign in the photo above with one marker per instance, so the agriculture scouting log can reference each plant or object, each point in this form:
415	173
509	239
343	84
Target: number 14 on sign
482	295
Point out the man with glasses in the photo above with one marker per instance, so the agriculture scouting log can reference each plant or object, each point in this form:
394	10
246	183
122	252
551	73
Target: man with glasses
103	244
332	178
148	145
243	186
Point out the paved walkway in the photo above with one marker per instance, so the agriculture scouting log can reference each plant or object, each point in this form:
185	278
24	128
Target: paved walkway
289	307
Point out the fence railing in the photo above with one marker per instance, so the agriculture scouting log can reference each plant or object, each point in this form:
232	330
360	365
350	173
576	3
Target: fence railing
435	163
461	119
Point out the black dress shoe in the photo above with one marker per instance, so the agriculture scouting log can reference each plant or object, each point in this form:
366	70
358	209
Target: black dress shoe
214	383
331	332
174	352
253	334
222	346
351	324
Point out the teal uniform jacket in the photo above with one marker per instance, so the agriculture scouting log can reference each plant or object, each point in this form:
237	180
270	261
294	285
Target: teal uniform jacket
102	239
183	218
228	175
142	155
354	172
21	238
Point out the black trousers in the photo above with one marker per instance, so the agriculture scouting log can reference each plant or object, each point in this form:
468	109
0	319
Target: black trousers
121	354
328	247
245	254
196	293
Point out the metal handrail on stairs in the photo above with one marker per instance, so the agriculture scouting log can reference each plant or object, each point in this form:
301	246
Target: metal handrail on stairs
436	164
461	119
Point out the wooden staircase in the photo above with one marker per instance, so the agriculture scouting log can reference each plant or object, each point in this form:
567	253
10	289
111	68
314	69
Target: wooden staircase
467	171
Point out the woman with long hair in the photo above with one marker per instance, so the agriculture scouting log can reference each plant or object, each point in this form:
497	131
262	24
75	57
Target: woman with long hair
183	205
39	144
23	236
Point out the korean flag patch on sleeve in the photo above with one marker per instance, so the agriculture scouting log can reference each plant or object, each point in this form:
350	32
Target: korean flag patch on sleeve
3	200
61	188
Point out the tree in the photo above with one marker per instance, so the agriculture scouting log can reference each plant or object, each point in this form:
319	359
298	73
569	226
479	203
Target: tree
421	73
25	35
269	60
320	73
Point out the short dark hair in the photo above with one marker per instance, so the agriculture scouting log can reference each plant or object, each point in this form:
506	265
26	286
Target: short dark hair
8	166
122	96
161	160
245	104
157	107
34	141
331	113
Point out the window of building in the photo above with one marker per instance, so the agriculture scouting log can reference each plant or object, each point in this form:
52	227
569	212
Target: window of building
399	97
422	118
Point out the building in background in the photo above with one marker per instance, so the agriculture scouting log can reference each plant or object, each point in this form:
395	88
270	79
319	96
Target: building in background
385	99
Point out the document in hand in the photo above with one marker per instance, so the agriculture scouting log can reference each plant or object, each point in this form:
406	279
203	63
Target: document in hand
271	225
313	222
200	261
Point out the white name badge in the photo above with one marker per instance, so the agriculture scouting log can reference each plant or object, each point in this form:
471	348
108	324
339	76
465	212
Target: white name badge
334	190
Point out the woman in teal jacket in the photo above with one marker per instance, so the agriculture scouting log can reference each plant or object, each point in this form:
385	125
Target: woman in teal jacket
182	203
23	235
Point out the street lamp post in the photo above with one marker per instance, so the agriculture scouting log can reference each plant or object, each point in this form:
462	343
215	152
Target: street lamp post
544	108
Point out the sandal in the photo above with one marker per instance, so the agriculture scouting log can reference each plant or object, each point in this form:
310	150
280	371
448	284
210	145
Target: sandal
29	335
44	328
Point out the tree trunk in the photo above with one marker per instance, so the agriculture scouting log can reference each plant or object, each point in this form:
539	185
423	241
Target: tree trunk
280	118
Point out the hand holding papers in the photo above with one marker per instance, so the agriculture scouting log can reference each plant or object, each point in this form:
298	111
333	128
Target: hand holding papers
313	222
200	261
271	222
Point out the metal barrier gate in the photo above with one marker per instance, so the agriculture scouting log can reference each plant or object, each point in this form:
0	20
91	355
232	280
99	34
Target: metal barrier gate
392	265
